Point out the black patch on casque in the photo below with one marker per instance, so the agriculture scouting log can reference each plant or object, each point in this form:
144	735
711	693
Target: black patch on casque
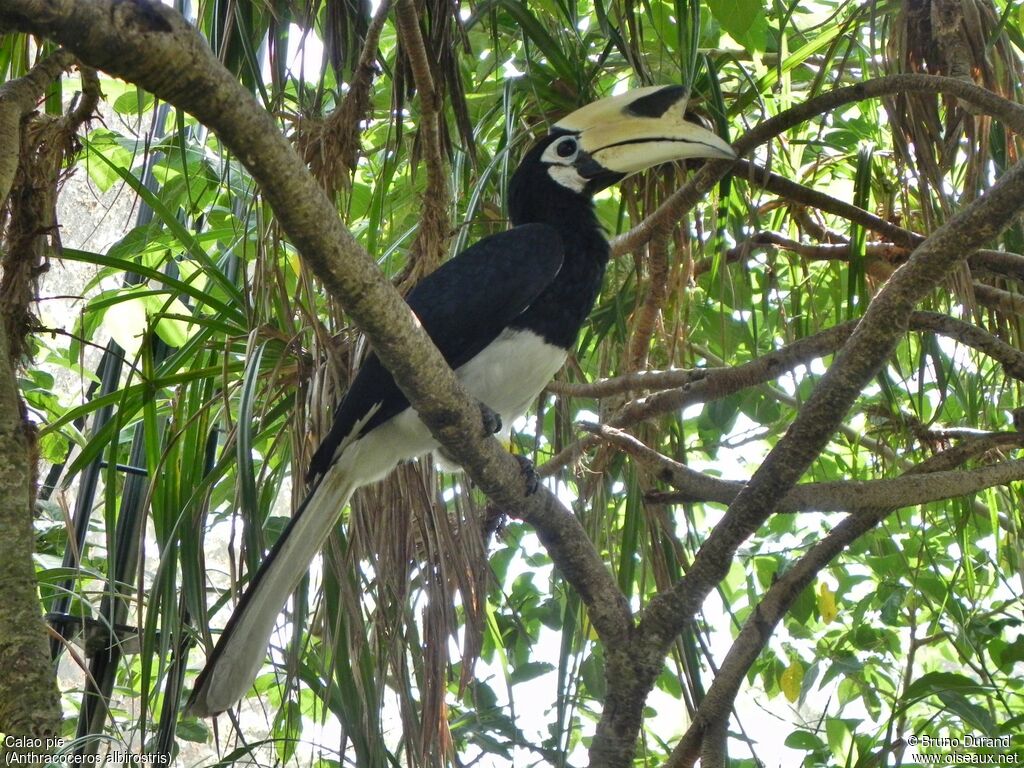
657	103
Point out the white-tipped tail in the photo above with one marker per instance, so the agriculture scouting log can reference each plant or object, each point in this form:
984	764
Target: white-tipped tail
242	647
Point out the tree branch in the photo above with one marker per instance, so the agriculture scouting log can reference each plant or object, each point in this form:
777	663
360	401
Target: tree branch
672	210
713	712
1002	301
435	228
1011	358
84	109
19	98
836	496
759	176
677	389
693	386
650	309
882	259
1007	264
873	341
29	699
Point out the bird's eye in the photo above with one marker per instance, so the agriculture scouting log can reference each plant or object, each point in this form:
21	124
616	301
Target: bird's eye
566	147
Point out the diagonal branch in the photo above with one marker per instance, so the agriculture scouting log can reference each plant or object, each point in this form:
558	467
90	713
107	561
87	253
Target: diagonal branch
713	712
672	210
1007	264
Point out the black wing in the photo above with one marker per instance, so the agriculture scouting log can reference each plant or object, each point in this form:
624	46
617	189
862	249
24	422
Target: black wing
463	305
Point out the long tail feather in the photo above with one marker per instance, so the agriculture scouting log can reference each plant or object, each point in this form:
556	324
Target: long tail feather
242	646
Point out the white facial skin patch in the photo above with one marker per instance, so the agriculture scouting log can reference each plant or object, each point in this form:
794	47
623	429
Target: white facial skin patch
568	177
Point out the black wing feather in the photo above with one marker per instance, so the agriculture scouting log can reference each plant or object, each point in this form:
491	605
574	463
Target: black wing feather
464	305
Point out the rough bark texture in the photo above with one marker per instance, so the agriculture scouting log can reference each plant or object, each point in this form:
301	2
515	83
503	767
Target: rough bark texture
29	699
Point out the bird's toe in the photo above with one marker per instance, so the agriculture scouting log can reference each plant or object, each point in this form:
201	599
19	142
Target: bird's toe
529	475
491	420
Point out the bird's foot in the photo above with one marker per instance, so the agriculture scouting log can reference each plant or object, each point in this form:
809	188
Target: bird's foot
529	474
491	420
493	522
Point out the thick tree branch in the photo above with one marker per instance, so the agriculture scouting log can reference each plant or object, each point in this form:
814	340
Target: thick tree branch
1011	358
19	98
860	359
996	298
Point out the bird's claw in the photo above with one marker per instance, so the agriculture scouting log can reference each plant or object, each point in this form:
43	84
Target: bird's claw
529	475
491	420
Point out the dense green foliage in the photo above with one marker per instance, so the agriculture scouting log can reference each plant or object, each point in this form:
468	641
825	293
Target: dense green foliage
232	358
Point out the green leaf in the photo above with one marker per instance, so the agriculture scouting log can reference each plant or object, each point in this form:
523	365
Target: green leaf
744	20
530	670
287	730
134	101
934	683
194	730
804	740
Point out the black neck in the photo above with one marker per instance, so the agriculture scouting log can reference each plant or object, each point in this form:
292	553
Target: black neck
534	197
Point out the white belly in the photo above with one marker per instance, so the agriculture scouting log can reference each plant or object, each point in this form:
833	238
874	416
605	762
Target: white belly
509	374
507	377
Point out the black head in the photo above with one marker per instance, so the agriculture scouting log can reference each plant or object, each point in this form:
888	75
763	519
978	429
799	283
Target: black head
604	142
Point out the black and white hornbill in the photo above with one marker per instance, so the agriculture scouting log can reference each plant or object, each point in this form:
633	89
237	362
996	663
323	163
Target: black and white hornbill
504	313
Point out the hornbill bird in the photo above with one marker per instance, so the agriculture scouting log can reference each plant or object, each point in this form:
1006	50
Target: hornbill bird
504	313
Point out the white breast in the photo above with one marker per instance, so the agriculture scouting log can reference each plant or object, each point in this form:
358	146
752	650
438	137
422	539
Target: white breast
508	375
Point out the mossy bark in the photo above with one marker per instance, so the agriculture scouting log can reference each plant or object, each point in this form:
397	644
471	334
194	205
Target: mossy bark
29	699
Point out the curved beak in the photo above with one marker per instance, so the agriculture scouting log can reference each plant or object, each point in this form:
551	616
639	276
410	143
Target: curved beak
639	129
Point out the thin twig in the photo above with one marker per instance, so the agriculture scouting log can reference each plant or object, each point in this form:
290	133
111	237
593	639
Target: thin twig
677	389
